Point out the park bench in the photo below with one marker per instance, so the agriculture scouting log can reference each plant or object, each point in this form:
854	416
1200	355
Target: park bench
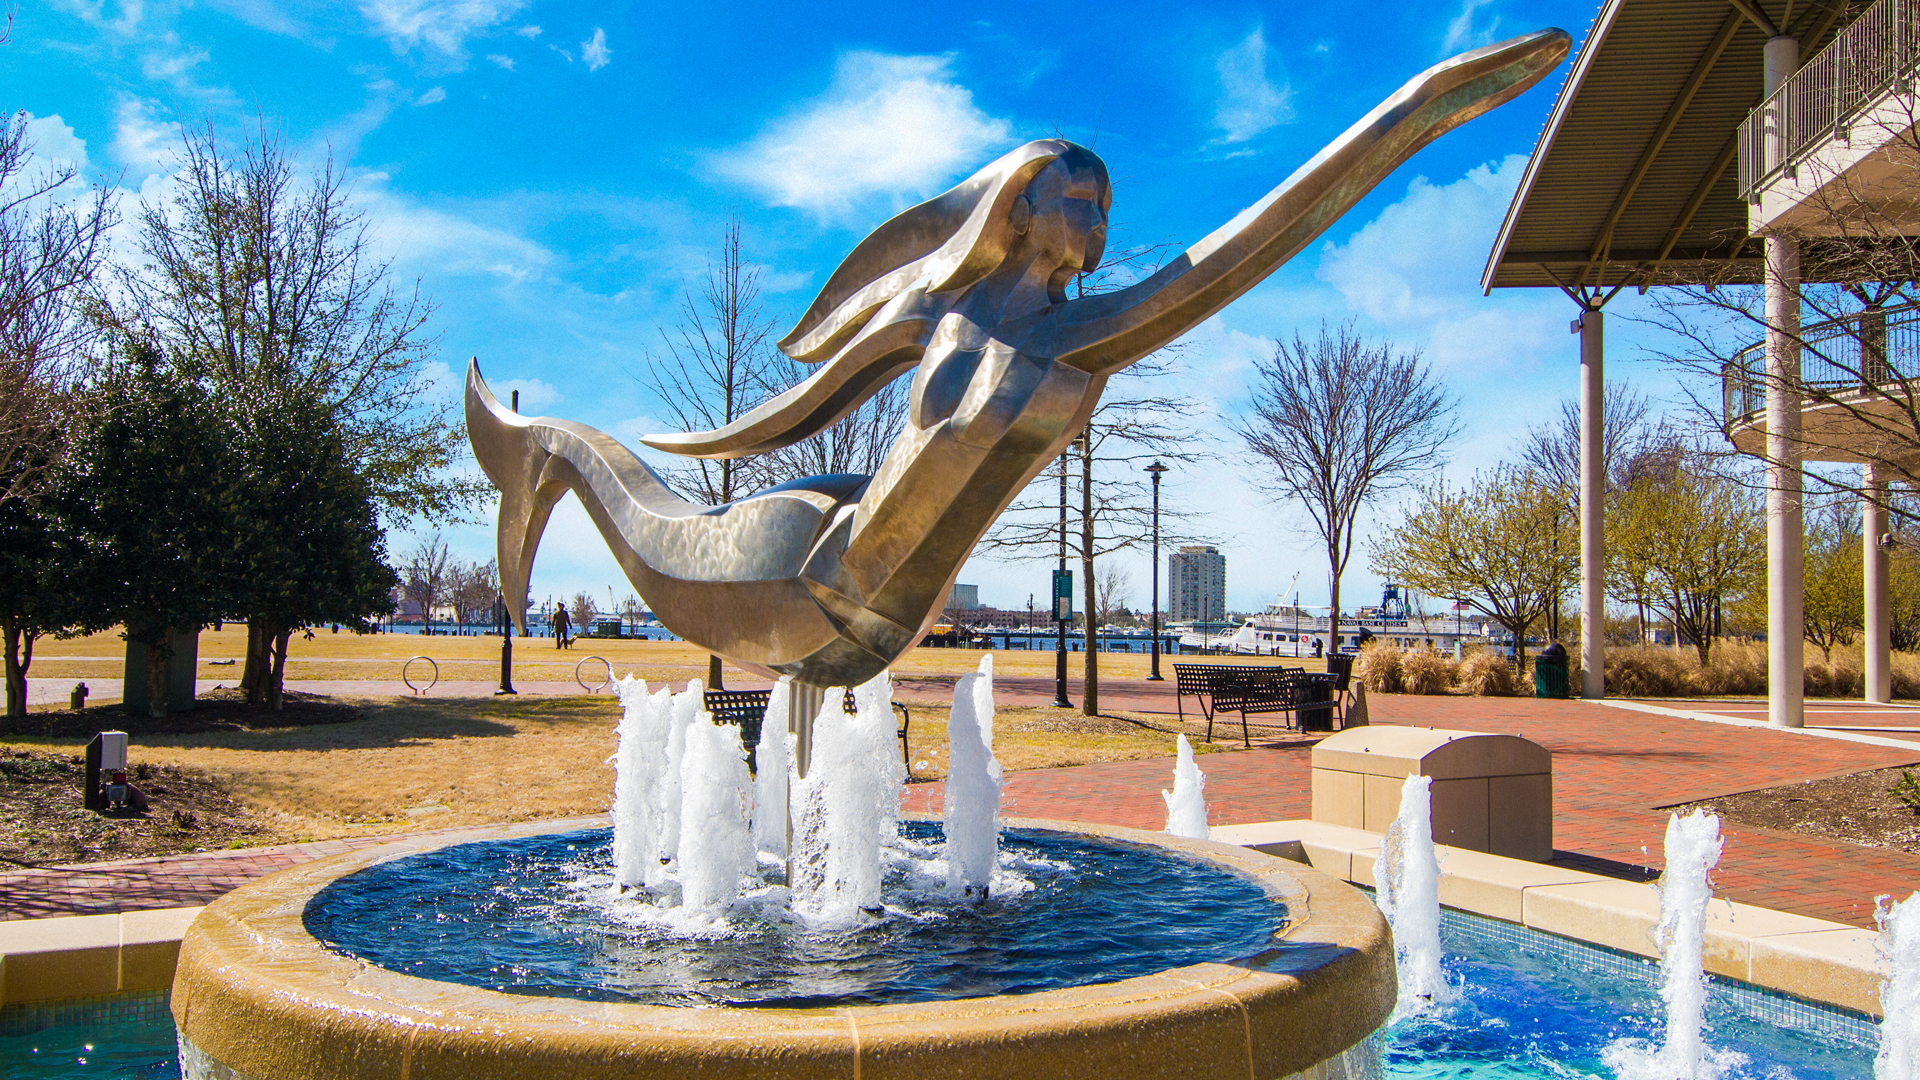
748	709
1307	699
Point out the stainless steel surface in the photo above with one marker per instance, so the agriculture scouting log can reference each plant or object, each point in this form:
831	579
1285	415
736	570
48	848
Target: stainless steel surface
829	579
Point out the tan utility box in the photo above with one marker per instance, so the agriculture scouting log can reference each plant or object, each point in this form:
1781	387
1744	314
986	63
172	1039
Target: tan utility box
1491	793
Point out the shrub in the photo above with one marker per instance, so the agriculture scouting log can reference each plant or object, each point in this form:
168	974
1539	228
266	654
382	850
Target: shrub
1486	675
1737	667
1427	671
1379	668
1647	671
1907	790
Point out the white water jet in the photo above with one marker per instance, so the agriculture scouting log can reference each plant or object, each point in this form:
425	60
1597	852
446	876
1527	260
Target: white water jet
1899	1056
639	789
1186	803
848	807
687	705
972	818
716	840
1408	879
773	760
1693	850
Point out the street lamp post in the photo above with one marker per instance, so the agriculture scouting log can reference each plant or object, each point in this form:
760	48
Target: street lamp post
506	647
1154	470
1060	619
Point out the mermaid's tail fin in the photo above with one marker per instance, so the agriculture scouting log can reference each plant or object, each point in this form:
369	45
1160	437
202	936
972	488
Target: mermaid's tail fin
504	443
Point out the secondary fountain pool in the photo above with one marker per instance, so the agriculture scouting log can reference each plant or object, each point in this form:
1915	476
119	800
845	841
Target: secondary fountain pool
540	915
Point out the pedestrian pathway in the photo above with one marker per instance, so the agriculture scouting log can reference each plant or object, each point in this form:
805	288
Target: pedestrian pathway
1615	770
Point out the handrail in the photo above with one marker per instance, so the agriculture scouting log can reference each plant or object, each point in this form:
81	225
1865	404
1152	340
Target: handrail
1877	51
1864	349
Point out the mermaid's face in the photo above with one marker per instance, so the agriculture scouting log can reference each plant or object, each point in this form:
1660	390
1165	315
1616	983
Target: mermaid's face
1069	201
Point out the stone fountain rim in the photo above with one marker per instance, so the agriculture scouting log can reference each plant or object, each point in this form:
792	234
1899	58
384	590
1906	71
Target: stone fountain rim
248	967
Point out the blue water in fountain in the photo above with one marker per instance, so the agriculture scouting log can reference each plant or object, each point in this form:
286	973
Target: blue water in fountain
539	915
1530	1007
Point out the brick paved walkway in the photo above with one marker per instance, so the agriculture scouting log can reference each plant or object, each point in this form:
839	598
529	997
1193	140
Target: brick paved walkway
1614	769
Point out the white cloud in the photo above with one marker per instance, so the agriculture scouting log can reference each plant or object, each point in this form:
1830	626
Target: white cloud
505	62
432	97
441	26
534	394
594	52
887	125
94	13
564	54
416	235
1250	102
528	32
55	142
1461	32
140	141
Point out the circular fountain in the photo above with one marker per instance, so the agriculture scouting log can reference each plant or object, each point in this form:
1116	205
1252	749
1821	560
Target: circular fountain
259	997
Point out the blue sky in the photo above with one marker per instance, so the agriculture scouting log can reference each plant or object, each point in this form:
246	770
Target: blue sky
553	174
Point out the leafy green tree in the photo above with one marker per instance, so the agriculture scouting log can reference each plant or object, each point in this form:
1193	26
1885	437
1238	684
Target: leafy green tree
1693	539
258	279
1835	603
1502	543
156	491
307	543
41	562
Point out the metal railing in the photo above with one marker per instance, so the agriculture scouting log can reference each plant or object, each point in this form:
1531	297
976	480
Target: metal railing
1871	348
1876	52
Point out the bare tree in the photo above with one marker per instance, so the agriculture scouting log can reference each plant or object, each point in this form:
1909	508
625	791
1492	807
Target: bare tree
1341	422
856	445
1138	419
53	234
1553	449
716	366
474	590
1116	589
583	612
424	577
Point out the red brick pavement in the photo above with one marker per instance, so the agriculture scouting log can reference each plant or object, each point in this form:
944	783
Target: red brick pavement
1613	769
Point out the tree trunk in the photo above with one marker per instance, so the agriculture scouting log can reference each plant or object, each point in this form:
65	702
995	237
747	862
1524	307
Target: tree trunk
157	665
1333	598
277	680
253	680
1090	690
19	659
714	674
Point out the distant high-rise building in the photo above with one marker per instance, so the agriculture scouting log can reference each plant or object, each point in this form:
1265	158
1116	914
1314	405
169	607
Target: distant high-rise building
965	598
1196	584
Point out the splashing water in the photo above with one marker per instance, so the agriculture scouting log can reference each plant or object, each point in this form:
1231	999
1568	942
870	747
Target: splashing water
1186	803
1899	1057
773	761
1693	850
848	807
687	705
1409	896
716	836
972	820
639	789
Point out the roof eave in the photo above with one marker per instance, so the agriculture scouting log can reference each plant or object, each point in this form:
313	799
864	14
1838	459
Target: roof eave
1589	49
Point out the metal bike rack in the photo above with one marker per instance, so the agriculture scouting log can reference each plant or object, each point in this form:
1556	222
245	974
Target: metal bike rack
608	681
420	691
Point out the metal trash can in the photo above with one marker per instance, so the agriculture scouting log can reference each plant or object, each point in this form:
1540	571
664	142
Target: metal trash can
1550	677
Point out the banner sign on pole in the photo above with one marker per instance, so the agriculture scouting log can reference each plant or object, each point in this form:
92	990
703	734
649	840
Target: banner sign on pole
1063	596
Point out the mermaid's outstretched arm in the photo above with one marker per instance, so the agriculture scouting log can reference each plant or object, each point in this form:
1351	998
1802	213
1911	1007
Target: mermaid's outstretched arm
1101	334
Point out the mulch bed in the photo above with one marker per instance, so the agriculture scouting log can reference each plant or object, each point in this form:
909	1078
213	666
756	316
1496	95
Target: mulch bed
225	709
45	824
1858	809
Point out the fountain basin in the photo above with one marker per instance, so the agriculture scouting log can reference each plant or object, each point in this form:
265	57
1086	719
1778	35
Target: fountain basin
258	998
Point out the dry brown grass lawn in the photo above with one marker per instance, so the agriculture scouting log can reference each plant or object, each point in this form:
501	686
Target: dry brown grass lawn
379	656
429	763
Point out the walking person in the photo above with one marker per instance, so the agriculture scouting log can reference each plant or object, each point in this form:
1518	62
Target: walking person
562	627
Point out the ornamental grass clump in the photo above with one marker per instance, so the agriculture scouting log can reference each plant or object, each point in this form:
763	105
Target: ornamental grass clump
1484	674
1379	668
1427	671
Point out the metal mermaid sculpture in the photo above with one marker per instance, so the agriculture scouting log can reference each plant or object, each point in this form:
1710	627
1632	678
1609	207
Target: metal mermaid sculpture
831	578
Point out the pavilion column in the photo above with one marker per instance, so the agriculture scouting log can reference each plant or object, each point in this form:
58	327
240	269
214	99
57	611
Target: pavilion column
1786	570
1873	526
1593	486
